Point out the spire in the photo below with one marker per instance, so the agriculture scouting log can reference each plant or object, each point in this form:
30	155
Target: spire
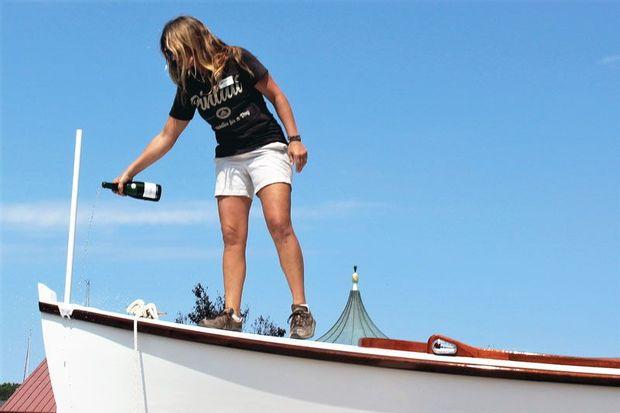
355	278
354	322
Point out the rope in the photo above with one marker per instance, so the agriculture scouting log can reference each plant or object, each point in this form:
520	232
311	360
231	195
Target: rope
138	376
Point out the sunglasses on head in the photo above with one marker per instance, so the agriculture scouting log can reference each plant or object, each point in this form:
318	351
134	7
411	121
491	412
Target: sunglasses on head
169	55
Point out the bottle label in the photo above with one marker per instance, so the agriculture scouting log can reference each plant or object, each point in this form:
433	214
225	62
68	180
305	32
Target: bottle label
150	190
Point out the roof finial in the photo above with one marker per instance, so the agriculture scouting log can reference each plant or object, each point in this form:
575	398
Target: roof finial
355	277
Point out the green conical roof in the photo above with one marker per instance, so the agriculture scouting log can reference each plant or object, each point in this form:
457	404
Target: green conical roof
354	322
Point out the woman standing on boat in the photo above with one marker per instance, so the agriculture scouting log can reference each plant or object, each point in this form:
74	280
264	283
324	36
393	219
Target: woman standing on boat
227	84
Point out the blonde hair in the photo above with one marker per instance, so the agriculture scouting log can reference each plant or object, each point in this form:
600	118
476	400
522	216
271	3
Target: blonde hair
190	48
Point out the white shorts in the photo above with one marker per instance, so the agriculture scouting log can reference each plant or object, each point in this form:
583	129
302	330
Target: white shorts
247	173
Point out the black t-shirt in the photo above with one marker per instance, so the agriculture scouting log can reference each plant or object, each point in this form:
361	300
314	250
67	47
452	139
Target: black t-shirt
235	110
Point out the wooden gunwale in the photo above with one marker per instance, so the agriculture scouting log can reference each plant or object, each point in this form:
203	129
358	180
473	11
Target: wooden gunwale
375	360
465	350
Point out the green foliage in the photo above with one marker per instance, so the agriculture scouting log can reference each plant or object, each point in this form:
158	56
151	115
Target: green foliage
265	327
7	389
205	307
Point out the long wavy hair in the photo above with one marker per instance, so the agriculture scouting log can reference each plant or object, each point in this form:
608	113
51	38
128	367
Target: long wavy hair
190	49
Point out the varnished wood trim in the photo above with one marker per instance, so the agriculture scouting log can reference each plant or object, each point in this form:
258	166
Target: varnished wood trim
447	367
465	350
391	344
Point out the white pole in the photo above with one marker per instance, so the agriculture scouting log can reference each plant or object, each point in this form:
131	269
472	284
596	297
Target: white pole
74	197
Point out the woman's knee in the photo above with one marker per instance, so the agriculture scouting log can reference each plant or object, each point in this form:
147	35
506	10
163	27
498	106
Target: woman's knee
280	228
233	236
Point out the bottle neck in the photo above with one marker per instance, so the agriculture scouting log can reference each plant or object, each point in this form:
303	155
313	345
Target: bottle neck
109	185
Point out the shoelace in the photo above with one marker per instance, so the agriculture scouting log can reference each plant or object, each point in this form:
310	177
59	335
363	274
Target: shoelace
299	317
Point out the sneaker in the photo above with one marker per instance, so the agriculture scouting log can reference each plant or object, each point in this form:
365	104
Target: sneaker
224	321
302	322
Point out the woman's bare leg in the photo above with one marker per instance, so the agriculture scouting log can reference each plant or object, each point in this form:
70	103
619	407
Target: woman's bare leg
234	212
276	203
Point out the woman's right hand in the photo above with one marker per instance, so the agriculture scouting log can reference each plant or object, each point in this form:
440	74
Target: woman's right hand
121	180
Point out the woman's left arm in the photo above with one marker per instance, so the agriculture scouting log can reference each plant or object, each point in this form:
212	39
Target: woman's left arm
296	150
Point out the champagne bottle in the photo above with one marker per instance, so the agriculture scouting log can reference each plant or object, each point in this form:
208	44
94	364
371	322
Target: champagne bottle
140	190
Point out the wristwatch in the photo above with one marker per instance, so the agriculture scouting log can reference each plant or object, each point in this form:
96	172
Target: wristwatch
294	138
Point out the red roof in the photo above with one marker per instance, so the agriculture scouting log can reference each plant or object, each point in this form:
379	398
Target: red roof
35	394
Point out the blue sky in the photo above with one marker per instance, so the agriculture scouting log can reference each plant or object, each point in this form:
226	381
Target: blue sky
464	155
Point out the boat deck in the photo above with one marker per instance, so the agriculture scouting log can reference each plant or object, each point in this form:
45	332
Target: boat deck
372	352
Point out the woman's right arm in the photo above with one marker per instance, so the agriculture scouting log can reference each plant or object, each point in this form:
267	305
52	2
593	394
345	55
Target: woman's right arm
157	148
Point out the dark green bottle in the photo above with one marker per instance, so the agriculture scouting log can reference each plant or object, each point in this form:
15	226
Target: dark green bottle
140	190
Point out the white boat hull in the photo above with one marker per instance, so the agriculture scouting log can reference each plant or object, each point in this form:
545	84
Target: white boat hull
102	368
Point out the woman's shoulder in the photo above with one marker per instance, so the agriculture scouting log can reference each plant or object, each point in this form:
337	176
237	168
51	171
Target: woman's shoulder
251	62
244	54
241	49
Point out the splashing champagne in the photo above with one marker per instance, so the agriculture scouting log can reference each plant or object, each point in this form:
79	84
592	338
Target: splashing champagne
140	190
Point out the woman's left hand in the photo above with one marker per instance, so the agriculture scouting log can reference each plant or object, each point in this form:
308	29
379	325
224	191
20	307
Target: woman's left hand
298	154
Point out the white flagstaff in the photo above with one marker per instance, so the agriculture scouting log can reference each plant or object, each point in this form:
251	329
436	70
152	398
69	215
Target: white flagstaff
72	222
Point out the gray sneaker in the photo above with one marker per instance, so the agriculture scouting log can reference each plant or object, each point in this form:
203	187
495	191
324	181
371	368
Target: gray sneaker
302	322
224	321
